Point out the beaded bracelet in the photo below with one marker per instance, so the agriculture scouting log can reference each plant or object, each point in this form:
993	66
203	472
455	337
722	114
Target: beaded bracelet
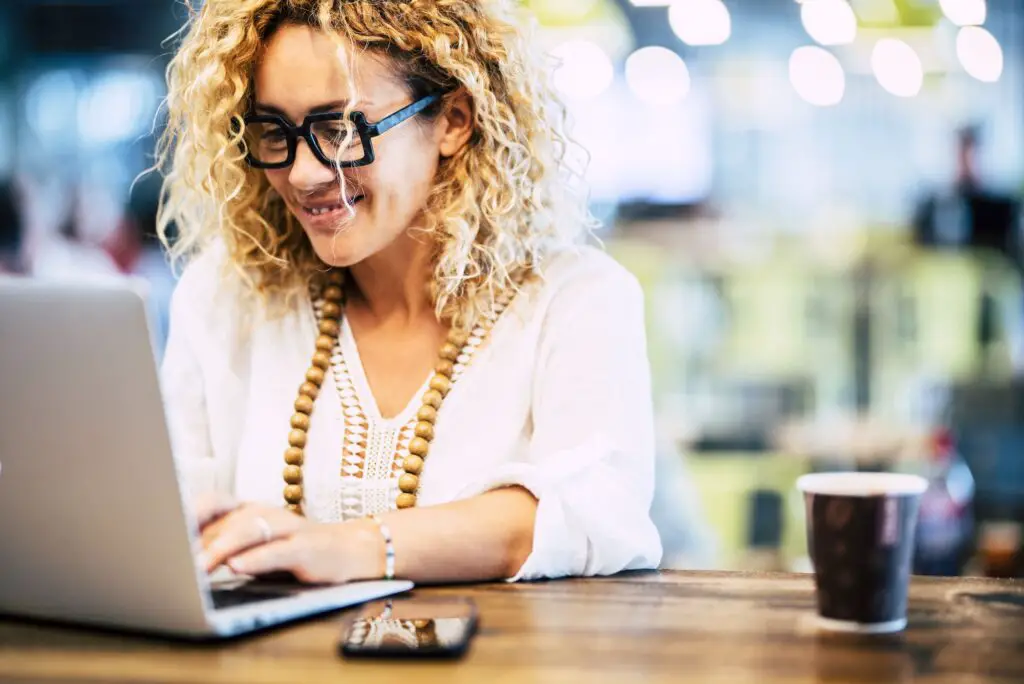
389	548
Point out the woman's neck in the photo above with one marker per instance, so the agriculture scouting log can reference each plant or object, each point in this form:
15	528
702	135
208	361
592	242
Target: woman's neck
391	286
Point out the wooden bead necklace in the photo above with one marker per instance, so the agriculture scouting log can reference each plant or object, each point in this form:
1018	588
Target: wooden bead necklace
454	355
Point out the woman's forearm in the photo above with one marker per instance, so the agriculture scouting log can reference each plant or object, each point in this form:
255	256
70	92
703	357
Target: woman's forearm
487	537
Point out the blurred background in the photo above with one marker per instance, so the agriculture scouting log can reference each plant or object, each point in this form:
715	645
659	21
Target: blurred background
822	200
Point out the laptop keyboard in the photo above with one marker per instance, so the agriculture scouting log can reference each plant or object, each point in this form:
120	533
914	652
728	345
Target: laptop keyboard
254	592
230	598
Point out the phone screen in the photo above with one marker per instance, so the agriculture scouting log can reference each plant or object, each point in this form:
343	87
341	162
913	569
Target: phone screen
411	627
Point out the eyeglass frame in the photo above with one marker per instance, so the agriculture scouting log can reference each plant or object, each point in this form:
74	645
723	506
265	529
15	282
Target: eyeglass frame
367	132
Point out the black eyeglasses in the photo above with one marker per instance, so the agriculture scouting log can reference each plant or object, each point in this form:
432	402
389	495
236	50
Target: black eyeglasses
271	140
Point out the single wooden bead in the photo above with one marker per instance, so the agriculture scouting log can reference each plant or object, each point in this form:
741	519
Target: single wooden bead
427	414
458	337
294	456
293	494
333	293
315	375
322	360
336	277
330	327
325	343
300	421
449	351
441	384
413	464
331	310
433	398
297	438
419	446
445	367
409	483
425	430
304	404
406	500
310	390
295	508
293	475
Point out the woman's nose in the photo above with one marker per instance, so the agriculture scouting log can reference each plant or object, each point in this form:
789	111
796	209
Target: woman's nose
308	172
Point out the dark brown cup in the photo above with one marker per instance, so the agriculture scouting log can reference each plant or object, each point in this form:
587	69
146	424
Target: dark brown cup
860	535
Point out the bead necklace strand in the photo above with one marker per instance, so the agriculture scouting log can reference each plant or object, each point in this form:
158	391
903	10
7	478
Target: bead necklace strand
454	356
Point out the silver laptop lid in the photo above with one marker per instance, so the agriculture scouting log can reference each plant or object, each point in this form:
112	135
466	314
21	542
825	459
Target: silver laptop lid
92	525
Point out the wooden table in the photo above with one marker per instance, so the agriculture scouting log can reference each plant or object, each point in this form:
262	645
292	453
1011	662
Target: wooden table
668	627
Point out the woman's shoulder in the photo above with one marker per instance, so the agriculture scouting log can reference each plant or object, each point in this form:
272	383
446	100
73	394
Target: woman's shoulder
211	293
201	271
200	274
586	271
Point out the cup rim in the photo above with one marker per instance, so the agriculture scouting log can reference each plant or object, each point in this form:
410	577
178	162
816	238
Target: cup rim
861	484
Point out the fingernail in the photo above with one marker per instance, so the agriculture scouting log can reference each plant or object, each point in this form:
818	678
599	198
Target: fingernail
238	566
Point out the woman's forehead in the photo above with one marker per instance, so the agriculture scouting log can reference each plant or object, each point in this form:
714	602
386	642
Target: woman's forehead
302	67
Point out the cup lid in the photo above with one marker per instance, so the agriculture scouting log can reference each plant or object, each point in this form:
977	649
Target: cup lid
862	484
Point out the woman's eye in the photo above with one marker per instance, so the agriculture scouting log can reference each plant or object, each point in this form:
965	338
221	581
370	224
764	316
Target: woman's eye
273	138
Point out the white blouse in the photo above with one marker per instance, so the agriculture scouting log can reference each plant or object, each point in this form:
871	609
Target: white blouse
556	399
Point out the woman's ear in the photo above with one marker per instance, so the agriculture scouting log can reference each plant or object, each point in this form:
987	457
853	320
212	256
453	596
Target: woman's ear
456	124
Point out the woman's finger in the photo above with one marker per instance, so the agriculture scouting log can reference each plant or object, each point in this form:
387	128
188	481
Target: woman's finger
237	534
216	526
211	506
277	556
243	529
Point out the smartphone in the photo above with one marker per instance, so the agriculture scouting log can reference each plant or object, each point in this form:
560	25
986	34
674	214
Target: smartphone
410	628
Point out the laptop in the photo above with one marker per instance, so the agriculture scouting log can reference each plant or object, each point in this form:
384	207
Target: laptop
94	528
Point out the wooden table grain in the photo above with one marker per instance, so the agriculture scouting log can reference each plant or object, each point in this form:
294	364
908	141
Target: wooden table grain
650	627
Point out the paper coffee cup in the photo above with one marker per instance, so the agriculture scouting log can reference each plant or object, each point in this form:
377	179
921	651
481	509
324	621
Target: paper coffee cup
860	535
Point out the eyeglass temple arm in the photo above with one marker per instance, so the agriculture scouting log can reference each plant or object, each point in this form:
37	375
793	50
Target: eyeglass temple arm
389	122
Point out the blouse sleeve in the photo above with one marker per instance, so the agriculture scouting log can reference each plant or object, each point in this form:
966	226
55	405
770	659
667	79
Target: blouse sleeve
182	383
591	456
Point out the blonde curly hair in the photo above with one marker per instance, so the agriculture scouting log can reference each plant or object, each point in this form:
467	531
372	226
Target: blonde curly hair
512	196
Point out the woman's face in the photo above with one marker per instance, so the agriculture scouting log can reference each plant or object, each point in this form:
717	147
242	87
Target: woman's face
300	74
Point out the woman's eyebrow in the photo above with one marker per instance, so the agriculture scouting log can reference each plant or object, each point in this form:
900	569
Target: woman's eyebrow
335	106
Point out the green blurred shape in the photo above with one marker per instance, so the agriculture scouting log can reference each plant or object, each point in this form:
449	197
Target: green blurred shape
570	13
726	481
897	13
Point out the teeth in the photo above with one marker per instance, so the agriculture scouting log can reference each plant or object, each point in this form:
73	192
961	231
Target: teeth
318	211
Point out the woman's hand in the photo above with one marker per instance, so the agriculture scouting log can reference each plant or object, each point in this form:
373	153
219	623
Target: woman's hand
210	506
252	539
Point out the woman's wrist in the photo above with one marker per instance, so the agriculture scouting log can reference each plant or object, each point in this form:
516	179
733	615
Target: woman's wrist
368	550
389	547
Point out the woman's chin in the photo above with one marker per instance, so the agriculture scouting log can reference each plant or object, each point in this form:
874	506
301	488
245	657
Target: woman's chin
334	250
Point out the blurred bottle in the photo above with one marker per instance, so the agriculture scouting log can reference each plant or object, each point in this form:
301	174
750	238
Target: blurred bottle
764	530
999	549
945	521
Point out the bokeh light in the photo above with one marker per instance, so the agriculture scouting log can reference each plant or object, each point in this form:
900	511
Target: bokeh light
979	53
965	12
817	76
585	70
700	22
897	67
657	76
829	22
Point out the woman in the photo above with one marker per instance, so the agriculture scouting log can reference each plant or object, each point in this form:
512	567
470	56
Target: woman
388	356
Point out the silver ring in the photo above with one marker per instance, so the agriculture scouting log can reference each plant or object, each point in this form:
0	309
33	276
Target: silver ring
265	531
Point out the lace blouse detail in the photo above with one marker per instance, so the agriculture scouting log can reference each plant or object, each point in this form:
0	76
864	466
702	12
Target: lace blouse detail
372	453
374	447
